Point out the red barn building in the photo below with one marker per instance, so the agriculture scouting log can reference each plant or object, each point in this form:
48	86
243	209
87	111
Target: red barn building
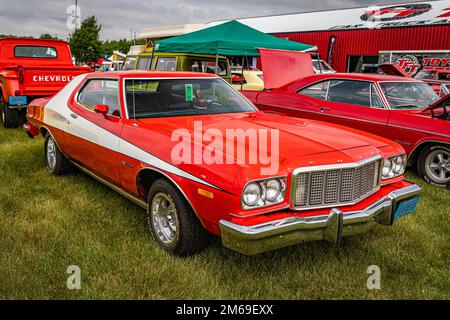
350	39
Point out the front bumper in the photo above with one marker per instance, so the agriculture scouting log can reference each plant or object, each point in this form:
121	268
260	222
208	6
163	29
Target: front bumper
330	227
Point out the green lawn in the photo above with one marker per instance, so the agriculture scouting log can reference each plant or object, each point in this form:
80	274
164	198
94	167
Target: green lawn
49	223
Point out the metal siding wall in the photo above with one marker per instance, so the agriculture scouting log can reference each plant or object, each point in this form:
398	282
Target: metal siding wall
370	42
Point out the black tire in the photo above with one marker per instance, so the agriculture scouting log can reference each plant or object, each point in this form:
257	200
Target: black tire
9	117
427	173
190	237
56	163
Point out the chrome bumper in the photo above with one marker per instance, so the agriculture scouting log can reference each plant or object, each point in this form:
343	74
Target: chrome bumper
330	227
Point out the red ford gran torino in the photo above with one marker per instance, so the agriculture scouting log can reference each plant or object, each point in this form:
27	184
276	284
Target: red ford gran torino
156	138
393	107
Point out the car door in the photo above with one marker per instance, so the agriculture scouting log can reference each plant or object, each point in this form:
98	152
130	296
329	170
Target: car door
356	104
93	138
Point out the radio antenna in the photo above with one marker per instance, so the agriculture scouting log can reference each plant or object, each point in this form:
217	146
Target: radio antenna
134	102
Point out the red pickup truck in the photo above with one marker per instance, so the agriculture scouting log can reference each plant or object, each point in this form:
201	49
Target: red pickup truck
29	69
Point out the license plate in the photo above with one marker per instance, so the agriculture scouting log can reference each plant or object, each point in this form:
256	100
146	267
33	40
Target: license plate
406	207
17	101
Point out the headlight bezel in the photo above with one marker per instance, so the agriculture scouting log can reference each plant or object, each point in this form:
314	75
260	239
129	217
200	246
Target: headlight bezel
258	187
263	201
397	166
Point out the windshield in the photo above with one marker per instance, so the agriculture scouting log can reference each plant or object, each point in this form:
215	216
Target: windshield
425	75
151	98
408	95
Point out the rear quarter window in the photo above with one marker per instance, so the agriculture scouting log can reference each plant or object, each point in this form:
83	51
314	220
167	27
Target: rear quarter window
318	90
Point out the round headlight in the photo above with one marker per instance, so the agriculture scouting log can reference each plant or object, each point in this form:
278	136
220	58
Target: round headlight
273	190
252	194
387	168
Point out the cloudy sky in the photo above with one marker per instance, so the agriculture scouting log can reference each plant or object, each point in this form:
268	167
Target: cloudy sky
117	17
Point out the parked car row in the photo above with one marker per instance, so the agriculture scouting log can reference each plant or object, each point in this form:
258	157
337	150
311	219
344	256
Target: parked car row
331	168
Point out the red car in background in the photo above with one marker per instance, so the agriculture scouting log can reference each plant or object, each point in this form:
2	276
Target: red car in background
438	79
405	110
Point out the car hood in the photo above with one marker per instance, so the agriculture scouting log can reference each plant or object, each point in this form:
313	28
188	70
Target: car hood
301	143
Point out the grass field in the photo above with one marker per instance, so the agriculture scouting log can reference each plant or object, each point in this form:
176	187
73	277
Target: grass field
49	223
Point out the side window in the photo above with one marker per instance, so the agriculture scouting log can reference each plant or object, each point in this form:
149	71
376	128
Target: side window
350	91
99	91
129	63
376	99
143	63
166	64
210	67
318	90
444	76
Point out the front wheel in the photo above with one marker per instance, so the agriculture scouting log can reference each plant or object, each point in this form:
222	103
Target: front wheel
433	165
55	161
9	117
172	222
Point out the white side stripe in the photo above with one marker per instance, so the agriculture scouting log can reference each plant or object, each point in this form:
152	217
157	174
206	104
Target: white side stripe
58	115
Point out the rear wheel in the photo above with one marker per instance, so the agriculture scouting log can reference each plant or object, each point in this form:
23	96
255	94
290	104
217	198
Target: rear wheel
9	117
433	165
172	222
55	161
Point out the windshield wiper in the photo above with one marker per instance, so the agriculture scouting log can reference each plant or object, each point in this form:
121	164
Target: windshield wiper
407	106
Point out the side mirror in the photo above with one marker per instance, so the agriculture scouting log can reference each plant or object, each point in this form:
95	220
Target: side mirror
101	108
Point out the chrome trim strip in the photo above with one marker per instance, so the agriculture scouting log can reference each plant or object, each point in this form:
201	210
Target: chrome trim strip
127	195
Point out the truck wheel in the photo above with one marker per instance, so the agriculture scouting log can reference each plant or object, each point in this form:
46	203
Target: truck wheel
55	161
172	222
10	117
433	165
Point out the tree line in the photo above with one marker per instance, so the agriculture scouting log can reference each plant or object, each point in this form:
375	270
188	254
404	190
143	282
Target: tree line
85	42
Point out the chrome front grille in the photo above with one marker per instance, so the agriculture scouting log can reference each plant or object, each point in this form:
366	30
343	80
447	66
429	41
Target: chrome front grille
330	186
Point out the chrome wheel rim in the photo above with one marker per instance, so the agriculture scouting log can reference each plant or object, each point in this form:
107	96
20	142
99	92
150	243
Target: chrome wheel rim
51	154
164	218
437	166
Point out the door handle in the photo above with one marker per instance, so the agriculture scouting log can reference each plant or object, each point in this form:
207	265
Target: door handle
73	115
323	109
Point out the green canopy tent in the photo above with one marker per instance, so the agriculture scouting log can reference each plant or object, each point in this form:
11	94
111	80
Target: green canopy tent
228	39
